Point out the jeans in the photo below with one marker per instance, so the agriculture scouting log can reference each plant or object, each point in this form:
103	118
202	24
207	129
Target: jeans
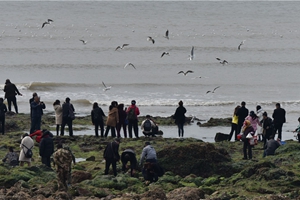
113	131
110	161
14	101
233	129
35	124
97	124
133	124
69	122
119	126
180	129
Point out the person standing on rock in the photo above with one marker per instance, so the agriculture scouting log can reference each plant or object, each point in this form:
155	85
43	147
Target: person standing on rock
279	120
128	155
268	127
111	156
132	117
3	110
37	107
26	144
68	117
252	117
11	91
122	121
62	159
247	130
112	119
234	125
179	117
97	115
32	100
242	113
259	113
58	115
46	148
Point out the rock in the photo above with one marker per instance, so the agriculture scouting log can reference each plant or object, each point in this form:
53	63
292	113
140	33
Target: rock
79	176
92	158
157	194
217	122
22	195
221	137
186	193
61	195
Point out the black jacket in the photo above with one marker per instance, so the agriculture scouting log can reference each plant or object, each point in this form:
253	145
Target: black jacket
268	127
65	108
279	116
3	110
242	113
179	115
46	145
112	151
37	109
97	115
11	90
132	157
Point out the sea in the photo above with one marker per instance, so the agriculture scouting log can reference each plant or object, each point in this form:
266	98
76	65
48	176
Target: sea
53	62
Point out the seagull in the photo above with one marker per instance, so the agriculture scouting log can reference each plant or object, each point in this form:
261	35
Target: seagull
45	24
239	47
191	57
185	73
83	41
151	39
129	64
105	88
121	47
167	34
164	53
213	90
223	62
50	21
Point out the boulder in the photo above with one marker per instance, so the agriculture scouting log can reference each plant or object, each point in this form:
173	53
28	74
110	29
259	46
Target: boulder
92	158
79	176
186	193
217	122
157	194
221	137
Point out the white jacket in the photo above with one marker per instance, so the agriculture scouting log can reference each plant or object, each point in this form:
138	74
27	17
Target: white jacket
259	114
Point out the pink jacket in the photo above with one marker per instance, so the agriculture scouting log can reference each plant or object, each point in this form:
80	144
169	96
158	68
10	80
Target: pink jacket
254	122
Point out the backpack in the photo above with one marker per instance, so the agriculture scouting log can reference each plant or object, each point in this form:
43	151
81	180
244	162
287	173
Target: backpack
28	153
131	114
71	112
147	125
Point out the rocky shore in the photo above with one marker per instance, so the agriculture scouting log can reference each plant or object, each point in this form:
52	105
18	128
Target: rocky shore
194	170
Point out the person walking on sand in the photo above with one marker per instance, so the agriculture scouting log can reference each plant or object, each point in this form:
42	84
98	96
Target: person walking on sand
26	144
46	148
37	107
132	116
11	91
279	120
112	120
242	113
111	156
179	117
122	121
97	115
234	125
3	110
58	115
68	117
259	113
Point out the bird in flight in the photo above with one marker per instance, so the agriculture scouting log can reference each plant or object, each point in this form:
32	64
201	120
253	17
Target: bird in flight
50	20
83	41
165	53
223	62
150	39
121	47
129	64
213	90
185	73
239	47
105	88
167	34
191	57
44	24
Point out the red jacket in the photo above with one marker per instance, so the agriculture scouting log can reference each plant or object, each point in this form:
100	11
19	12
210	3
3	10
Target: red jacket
38	135
137	111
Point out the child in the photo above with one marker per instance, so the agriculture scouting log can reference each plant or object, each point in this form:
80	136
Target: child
298	131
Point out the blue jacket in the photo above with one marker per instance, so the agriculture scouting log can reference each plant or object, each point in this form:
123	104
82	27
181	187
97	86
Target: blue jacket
37	109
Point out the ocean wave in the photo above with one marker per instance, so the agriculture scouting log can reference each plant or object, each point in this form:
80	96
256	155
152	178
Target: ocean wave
48	85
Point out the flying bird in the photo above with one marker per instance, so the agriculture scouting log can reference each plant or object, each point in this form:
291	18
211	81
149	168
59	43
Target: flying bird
191	57
44	24
185	73
121	47
151	39
83	41
213	90
167	34
105	88
223	62
164	53
129	64
50	20
239	47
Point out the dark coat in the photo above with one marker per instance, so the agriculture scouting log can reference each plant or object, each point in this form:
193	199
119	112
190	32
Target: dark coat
99	113
112	151
279	116
242	113
46	145
11	90
132	157
65	108
179	115
268	127
122	116
37	109
3	110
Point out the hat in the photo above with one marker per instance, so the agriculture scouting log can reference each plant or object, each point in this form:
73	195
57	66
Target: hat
133	102
252	113
147	143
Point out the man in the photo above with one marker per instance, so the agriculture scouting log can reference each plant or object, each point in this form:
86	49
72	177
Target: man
37	107
11	91
148	127
132	113
278	119
68	117
148	153
62	159
111	156
31	100
242	113
271	146
46	148
3	110
128	155
268	128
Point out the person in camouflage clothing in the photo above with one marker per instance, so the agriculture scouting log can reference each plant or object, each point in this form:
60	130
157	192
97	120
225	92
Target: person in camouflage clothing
63	160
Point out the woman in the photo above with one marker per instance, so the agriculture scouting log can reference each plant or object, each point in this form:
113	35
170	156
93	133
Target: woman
254	120
58	115
259	113
234	124
112	120
97	115
179	117
122	121
247	129
26	143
